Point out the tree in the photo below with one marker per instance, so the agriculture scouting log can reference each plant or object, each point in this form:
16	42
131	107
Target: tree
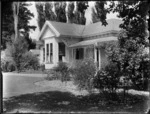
59	13
129	54
45	12
8	26
7	23
80	12
31	42
15	6
101	11
70	12
18	49
94	16
77	15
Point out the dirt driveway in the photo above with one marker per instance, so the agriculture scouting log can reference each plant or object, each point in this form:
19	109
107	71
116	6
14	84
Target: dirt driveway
15	84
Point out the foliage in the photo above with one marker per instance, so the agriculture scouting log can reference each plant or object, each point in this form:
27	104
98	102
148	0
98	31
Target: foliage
53	75
60	11
83	73
62	71
45	14
130	60
57	12
31	42
77	15
7	65
129	54
30	61
94	16
8	21
19	48
101	11
107	79
23	59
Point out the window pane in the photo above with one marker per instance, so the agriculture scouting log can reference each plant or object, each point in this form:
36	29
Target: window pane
51	48
47	55
47	49
79	53
51	52
43	54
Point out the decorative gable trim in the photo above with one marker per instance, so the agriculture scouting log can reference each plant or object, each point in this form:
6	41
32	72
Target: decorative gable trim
52	28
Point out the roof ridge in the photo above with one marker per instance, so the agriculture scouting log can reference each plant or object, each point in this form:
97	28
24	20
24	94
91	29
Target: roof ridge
81	24
65	23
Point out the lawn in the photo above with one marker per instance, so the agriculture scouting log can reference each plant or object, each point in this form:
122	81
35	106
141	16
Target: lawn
53	96
56	101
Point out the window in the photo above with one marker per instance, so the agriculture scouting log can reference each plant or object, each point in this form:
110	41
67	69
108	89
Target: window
43	54
51	52
47	52
79	53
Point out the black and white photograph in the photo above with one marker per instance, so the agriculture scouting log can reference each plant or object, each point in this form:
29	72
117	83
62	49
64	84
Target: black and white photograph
75	56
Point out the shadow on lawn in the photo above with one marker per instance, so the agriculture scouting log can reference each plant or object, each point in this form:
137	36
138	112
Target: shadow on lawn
56	101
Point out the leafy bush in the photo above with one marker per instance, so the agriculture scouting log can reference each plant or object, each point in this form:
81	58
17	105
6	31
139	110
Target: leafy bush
7	65
107	78
11	67
18	49
53	75
83	73
62	71
3	65
29	61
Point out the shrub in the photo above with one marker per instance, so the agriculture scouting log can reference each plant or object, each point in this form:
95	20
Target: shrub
53	75
18	49
62	71
3	65
7	65
11	67
29	61
107	78
83	73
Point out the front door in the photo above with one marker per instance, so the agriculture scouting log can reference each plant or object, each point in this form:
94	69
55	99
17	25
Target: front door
61	51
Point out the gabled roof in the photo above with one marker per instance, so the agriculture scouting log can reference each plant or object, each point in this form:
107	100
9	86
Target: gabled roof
97	28
76	30
68	29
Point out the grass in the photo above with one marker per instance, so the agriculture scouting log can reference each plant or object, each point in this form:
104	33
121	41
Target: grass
56	101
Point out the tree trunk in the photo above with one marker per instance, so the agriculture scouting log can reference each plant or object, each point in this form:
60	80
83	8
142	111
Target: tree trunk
15	14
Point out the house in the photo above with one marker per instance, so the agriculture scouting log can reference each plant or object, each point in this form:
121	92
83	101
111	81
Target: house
67	42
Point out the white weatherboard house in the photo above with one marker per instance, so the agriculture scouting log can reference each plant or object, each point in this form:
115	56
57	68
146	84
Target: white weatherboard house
67	42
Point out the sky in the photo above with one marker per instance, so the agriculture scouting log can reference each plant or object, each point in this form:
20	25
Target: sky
33	21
